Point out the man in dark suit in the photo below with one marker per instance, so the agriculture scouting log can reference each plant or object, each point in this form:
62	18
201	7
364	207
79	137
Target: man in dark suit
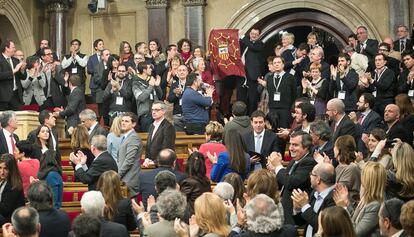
46	118
367	47
317	55
88	119
282	92
260	140
403	42
296	175
103	162
252	48
365	119
76	103
8	139
12	71
394	127
344	83
341	124
161	134
389	218
44	43
298	63
322	140
93	62
54	222
93	204
166	161
323	183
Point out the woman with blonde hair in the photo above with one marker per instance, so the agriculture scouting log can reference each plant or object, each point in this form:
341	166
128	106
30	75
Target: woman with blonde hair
365	215
211	216
117	208
214	143
400	180
262	182
114	138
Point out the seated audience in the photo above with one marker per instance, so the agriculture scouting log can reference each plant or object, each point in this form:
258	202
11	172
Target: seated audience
239	189
234	159
51	172
406	218
365	215
24	222
28	167
53	222
262	217
400	180
102	162
117	208
335	221
196	182
389	218
214	143
114	138
93	204
11	190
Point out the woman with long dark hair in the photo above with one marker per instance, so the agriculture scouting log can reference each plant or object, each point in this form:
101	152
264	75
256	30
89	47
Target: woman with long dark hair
125	54
235	159
51	172
117	208
42	142
196	182
11	187
28	167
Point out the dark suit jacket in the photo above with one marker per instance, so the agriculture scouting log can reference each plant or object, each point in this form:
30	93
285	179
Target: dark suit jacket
254	59
309	217
6	80
3	143
57	87
287	89
163	138
146	185
371	49
97	130
398	131
299	178
371	121
112	229
350	86
397	46
76	103
124	215
125	92
327	149
345	127
54	223
90	67
102	163
285	231
10	200
270	143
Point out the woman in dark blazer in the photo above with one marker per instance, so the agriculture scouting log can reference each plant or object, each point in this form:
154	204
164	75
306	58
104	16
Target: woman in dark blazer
117	208
197	182
11	188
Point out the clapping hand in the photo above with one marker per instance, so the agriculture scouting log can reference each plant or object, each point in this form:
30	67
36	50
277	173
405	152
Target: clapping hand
340	195
300	198
180	228
212	157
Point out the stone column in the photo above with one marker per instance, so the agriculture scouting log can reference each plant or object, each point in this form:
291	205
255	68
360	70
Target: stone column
57	25
194	21
158	21
399	11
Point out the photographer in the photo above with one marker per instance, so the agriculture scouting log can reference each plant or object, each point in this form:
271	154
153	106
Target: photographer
34	84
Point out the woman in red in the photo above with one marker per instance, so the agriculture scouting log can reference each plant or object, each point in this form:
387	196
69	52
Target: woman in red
184	48
28	167
199	65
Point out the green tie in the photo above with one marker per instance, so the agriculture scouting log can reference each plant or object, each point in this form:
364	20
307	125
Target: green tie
10	62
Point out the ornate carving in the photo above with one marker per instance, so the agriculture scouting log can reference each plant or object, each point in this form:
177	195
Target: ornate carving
194	2
156	3
57	6
2	3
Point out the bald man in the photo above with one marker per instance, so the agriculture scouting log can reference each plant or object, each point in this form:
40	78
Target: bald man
341	124
393	53
394	127
307	208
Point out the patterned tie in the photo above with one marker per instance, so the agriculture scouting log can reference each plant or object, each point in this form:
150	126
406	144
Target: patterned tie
362	49
361	117
402	46
13	143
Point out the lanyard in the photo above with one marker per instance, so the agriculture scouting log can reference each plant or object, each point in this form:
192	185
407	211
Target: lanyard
378	77
278	83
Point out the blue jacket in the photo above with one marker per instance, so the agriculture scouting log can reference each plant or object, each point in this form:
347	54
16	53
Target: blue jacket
195	106
222	167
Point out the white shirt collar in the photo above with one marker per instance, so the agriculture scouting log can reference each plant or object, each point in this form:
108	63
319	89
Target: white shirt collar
6	133
92	128
157	124
398	234
260	134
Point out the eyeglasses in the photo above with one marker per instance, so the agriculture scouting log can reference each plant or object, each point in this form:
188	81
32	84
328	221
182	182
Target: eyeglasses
121	71
139	58
156	110
48	53
383	50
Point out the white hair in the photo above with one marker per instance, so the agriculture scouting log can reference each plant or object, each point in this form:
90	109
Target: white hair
224	190
263	215
93	203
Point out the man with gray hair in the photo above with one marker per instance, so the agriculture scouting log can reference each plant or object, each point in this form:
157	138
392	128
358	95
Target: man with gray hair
263	217
8	139
93	204
88	119
321	139
224	190
359	62
389	218
341	124
24	223
103	162
171	204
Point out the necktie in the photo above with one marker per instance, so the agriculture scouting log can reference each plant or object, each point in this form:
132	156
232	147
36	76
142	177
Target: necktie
362	48
292	169
257	146
10	62
12	143
277	79
402	46
361	117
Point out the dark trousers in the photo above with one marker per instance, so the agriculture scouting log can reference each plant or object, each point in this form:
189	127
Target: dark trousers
195	128
13	104
252	96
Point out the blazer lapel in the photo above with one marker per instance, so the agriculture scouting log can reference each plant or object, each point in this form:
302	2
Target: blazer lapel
159	129
3	140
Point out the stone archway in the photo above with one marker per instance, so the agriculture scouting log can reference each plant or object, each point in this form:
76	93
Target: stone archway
16	15
252	13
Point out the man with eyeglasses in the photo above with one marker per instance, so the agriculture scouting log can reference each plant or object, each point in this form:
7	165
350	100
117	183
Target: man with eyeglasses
118	93
403	42
161	134
75	62
392	63
365	46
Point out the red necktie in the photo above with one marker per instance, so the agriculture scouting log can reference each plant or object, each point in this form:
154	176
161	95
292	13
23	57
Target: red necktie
361	117
12	143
